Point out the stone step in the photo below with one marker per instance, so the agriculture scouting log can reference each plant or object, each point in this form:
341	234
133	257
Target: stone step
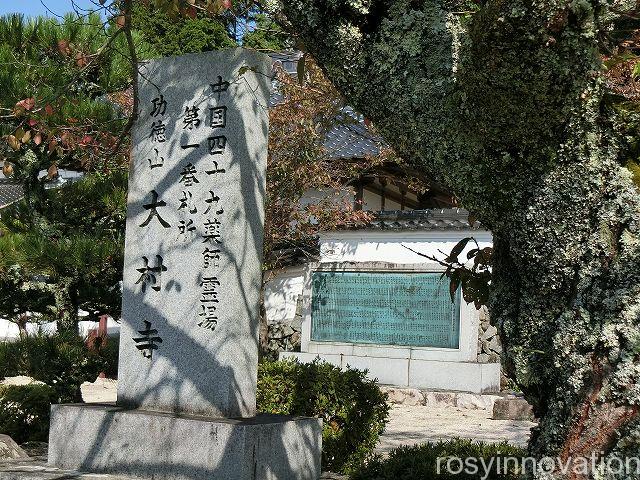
512	408
470	401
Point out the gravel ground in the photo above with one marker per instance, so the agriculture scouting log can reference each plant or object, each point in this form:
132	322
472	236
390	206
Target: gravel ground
408	425
419	424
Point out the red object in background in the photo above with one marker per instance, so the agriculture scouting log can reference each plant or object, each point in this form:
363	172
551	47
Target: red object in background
101	333
102	327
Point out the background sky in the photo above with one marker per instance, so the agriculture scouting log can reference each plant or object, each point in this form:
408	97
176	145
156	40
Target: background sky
36	7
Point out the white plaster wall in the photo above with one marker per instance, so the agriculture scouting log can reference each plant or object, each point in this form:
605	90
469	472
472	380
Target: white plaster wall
281	293
284	287
392	205
371	201
387	246
9	331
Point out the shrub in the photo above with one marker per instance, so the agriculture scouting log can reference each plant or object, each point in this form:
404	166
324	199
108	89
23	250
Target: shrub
420	462
24	411
61	360
353	409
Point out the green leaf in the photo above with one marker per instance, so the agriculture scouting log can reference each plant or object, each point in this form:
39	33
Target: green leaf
300	69
457	250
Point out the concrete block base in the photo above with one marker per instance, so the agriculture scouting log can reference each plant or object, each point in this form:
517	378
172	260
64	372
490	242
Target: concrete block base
472	377
163	446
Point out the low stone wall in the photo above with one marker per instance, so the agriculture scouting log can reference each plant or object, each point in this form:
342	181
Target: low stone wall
501	407
513	409
284	336
413	396
489	345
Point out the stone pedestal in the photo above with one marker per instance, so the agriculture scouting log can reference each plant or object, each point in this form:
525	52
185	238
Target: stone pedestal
106	438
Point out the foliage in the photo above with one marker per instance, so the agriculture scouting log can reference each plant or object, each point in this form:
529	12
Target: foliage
63	361
24	411
353	409
298	163
421	462
65	254
176	36
189	8
62	248
54	77
268	35
472	273
110	350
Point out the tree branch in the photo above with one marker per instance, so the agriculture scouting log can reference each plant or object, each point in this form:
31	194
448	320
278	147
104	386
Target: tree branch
127	10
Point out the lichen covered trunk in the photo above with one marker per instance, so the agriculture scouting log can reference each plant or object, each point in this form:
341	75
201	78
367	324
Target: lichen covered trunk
505	103
566	300
66	305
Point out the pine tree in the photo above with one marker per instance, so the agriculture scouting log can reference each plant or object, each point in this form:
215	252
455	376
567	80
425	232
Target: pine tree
61	247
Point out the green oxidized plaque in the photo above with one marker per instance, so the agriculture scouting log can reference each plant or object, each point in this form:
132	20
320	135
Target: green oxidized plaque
412	309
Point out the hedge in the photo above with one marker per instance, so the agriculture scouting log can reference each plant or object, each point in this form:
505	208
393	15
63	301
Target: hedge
421	462
61	360
24	411
353	409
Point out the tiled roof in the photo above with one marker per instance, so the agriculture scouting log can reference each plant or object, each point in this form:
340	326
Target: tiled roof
10	191
431	219
350	137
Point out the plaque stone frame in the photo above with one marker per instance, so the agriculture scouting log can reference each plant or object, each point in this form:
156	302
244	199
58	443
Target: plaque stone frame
467	350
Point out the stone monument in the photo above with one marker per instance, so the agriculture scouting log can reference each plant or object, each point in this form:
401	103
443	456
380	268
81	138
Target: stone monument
187	375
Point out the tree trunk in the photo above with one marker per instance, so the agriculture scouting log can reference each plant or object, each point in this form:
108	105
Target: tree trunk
565	299
506	105
21	322
66	305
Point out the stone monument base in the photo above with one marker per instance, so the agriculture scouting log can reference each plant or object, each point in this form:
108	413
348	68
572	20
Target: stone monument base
105	438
